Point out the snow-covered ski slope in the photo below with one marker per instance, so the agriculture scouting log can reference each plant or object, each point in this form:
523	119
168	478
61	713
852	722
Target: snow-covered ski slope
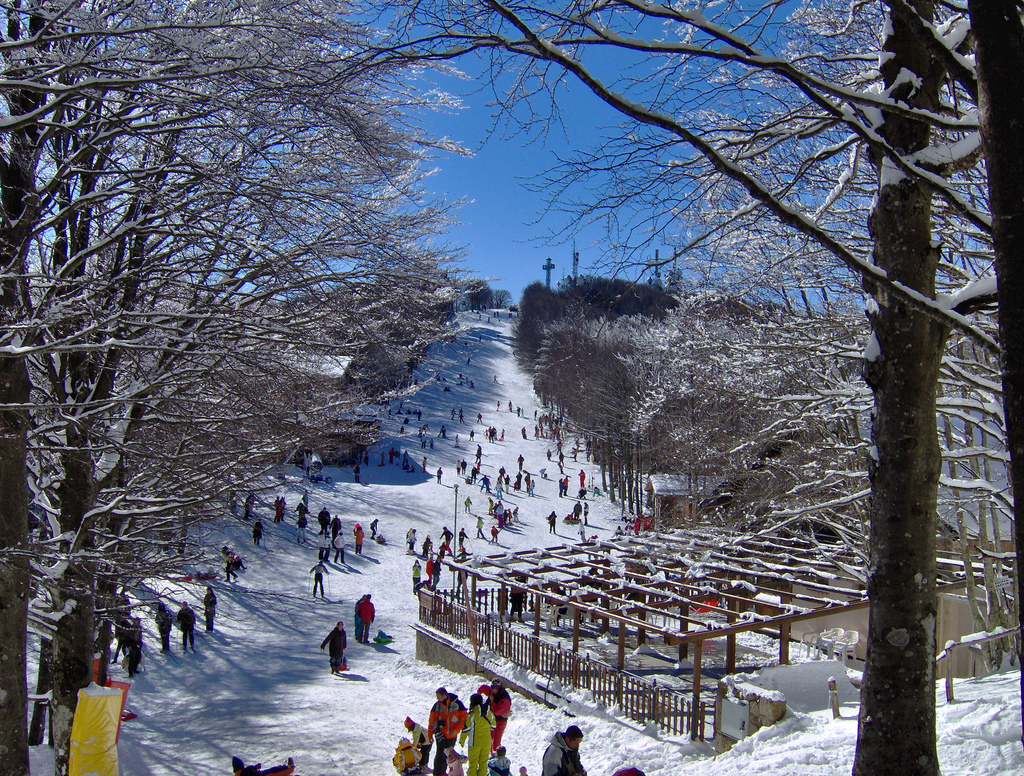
258	687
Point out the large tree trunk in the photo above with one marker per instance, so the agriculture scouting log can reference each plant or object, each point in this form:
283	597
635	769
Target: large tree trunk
73	641
999	40
14	568
18	201
72	664
897	716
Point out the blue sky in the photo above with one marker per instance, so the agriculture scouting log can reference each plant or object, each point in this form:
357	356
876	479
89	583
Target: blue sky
504	227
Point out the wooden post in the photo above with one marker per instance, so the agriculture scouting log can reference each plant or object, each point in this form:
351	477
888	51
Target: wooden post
576	659
502	601
622	646
730	641
833	697
949	676
655	708
684	648
641	634
535	656
784	634
575	629
698	650
605	621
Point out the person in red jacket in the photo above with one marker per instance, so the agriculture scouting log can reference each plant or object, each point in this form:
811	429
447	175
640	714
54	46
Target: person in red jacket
501	704
447	717
365	612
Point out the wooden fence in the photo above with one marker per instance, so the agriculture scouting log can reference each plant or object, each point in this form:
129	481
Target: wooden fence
639	699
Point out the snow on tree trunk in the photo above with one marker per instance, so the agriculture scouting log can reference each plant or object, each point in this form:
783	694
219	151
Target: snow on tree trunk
72	663
897	716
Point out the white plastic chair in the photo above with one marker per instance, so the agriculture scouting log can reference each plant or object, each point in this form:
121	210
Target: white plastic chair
827	640
809	640
846	645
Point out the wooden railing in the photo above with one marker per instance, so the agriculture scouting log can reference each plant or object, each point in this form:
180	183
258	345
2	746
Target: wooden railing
639	699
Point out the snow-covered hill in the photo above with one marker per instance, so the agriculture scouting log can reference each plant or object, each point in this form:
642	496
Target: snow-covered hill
259	687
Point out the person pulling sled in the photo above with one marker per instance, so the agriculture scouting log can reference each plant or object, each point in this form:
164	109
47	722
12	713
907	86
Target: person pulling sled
336	642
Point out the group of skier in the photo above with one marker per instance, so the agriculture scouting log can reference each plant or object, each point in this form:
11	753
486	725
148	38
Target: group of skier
479	729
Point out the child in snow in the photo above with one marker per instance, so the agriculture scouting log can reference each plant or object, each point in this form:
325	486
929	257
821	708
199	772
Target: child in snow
455	761
421	740
499	765
407	759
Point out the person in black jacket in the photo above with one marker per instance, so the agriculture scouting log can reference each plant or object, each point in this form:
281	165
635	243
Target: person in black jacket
122	628
163	625
336	642
134	645
209	607
187	622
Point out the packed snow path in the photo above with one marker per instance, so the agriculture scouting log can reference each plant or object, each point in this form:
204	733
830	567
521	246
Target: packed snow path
259	687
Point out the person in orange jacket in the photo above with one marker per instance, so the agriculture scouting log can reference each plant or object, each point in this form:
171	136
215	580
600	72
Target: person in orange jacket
358	532
447	717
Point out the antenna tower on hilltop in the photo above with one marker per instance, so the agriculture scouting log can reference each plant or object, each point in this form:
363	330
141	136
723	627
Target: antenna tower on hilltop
575	262
656	269
550	265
